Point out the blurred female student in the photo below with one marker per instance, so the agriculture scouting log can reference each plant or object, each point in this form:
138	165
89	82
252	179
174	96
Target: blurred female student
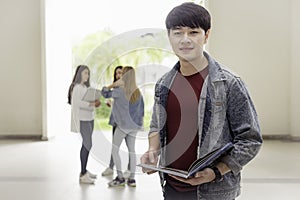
82	118
128	114
109	170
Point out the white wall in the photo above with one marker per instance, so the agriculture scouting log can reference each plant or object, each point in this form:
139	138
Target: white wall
295	69
254	39
35	68
20	68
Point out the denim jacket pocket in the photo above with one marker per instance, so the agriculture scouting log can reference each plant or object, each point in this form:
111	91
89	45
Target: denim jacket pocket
218	105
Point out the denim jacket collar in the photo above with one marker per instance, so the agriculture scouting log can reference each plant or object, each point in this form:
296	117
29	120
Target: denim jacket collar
214	69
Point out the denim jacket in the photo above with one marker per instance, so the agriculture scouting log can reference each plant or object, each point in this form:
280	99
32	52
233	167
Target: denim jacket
225	114
125	115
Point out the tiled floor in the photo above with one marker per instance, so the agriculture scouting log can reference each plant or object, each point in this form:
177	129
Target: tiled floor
40	170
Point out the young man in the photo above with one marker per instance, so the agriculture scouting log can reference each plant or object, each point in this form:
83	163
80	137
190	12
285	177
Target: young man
200	106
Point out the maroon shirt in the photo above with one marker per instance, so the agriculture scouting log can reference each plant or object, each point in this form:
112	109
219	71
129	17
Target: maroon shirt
182	124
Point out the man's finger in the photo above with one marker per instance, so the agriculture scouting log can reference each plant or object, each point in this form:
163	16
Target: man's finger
143	159
151	172
199	174
151	157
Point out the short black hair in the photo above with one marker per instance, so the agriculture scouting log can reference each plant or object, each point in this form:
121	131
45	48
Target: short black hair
188	14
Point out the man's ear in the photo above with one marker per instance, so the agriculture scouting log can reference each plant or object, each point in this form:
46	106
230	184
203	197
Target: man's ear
207	35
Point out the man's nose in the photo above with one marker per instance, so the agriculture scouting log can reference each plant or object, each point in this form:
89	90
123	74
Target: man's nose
185	38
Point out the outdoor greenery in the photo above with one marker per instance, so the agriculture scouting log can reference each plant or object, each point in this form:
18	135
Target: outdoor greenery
103	51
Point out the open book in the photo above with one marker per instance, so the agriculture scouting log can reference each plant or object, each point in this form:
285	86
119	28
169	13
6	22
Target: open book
91	94
196	166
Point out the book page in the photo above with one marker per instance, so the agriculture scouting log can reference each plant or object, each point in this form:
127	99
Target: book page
208	159
201	160
91	94
172	171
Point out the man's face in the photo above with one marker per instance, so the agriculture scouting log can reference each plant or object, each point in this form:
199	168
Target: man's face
188	43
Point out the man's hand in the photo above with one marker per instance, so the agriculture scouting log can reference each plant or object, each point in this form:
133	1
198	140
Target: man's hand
150	158
205	176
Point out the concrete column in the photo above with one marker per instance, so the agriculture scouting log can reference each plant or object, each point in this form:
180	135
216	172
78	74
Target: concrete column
295	70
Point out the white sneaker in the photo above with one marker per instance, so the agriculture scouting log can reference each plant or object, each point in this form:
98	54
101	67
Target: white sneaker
127	174
107	172
91	175
86	179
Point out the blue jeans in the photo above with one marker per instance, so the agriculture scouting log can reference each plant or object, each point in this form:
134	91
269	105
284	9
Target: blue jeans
119	136
111	162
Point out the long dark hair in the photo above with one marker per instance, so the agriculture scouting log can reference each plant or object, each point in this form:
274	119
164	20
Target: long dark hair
77	80
115	72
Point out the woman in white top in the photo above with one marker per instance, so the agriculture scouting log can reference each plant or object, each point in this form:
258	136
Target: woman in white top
82	118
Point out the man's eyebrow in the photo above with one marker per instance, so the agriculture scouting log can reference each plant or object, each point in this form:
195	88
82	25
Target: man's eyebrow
180	27
176	27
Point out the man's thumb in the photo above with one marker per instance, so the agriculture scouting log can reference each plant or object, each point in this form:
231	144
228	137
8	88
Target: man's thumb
151	157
